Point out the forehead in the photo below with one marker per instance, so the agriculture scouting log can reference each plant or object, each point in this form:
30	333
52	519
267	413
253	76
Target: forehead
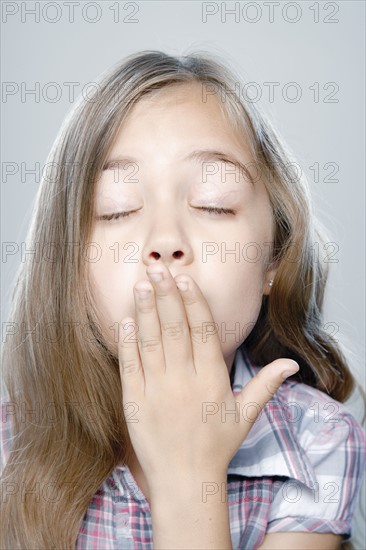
194	96
172	124
180	116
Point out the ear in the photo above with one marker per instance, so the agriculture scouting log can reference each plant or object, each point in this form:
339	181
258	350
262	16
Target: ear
269	275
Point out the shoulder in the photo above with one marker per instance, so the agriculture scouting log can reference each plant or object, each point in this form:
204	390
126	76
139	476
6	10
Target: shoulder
301	433
316	418
334	441
332	448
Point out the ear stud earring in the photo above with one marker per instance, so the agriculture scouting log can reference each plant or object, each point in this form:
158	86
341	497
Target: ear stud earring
270	282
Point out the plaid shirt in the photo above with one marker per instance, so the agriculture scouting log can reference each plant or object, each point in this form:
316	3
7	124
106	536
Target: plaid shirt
299	469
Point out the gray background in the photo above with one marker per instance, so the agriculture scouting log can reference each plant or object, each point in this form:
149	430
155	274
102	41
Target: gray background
311	50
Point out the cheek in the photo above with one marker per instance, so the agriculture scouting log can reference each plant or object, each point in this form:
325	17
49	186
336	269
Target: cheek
235	297
113	297
247	306
113	292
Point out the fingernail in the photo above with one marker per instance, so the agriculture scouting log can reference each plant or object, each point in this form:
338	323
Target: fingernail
288	373
143	292
182	286
128	327
157	277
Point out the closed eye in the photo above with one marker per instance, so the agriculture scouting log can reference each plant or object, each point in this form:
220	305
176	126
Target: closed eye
215	210
209	209
115	216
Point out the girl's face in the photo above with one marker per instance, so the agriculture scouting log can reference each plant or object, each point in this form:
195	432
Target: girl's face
170	173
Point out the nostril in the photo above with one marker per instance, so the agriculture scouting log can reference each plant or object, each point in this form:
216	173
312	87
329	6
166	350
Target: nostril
177	254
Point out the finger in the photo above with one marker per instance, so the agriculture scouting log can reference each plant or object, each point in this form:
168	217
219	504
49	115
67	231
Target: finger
262	387
206	346
174	327
132	376
150	343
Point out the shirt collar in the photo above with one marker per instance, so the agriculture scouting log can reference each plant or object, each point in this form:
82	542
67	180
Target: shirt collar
272	448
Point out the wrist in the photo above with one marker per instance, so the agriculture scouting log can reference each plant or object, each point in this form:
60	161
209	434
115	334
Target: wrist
196	508
194	487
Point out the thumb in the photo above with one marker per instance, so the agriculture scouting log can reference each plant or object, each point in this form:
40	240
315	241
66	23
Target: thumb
262	387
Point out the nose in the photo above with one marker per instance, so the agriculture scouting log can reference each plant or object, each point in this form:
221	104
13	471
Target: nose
167	241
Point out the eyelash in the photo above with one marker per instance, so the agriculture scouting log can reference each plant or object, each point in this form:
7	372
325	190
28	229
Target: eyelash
116	216
209	209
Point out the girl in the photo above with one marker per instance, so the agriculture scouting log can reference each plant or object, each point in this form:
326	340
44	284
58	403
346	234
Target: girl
180	431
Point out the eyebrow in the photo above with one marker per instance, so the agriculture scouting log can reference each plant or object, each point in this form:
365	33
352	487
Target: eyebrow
204	155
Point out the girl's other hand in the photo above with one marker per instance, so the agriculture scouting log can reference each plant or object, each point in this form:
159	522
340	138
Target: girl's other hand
181	413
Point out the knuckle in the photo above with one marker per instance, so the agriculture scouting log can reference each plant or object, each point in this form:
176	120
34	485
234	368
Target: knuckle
145	306
201	333
173	330
130	366
190	299
163	295
197	333
150	345
271	387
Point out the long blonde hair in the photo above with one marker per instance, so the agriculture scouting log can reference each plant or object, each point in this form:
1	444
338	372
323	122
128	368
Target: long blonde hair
63	370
